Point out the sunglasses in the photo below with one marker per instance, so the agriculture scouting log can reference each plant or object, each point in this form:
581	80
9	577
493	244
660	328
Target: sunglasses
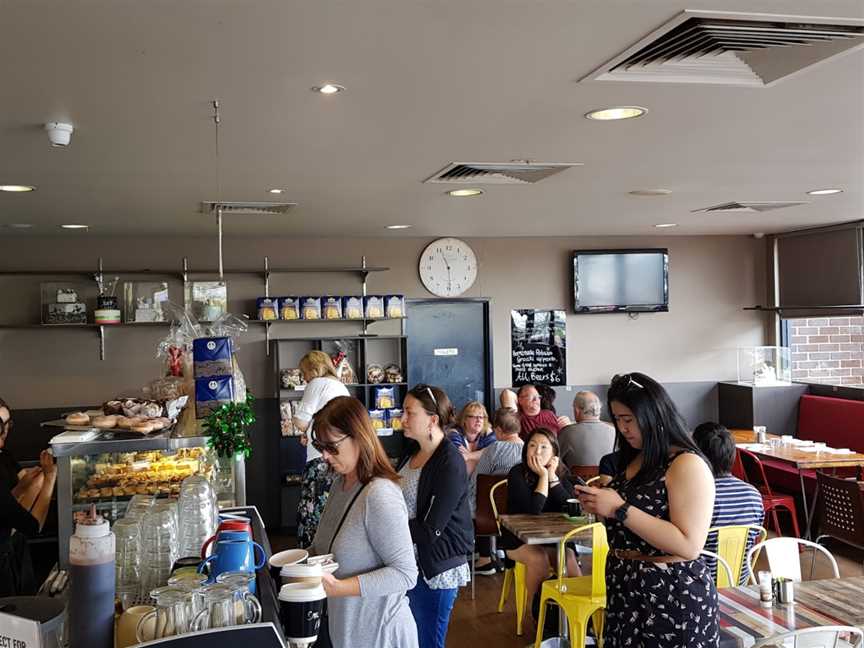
626	381
331	448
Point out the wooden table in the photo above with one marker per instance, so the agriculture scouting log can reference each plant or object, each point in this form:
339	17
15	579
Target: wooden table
802	460
545	528
743	621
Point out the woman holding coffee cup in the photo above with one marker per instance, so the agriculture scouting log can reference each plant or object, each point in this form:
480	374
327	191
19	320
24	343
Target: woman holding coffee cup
365	526
435	486
534	486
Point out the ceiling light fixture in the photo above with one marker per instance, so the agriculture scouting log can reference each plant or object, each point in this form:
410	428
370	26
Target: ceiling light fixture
464	193
617	112
665	225
824	192
276	191
19	226
328	88
16	188
74	226
398	227
650	192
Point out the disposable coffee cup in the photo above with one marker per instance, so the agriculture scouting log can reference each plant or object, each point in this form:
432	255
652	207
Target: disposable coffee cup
278	560
301	606
573	507
301	573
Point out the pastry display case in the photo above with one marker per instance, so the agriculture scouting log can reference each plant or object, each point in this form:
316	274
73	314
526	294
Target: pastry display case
109	469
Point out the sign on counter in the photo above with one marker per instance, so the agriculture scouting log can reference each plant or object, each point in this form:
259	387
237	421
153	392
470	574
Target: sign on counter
16	632
538	347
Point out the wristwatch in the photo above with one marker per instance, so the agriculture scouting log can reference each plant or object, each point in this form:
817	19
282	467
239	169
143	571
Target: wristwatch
621	512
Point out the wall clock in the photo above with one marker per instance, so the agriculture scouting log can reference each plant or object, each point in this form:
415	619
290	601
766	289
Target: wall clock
448	267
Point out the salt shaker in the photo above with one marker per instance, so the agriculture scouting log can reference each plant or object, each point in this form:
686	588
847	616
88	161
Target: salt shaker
761	433
766	595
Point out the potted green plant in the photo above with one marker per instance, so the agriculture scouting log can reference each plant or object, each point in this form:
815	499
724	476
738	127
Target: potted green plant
227	429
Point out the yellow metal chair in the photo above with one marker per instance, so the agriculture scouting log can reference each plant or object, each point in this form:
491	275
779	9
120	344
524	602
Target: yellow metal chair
514	576
580	597
732	545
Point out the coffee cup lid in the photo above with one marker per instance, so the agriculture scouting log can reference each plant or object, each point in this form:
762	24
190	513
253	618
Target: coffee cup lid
300	570
288	557
301	592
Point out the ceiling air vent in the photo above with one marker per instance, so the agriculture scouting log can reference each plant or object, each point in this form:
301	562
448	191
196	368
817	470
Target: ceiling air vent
749	207
732	48
498	172
247	208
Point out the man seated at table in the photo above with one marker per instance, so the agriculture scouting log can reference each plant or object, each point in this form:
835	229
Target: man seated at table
589	439
735	502
496	459
531	414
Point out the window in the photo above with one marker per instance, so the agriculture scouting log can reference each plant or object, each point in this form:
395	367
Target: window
826	350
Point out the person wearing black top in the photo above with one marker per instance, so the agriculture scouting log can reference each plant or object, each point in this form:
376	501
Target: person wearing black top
16	521
435	486
535	487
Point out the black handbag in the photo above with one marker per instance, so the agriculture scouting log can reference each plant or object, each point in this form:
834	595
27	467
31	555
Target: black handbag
323	640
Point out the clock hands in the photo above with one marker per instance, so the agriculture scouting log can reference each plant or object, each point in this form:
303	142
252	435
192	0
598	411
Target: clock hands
449	271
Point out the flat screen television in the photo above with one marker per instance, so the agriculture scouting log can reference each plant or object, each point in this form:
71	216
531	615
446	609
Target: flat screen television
621	281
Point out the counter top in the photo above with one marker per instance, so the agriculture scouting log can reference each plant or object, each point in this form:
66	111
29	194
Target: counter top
107	442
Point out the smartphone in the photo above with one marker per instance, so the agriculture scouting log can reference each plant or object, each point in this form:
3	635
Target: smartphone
579	480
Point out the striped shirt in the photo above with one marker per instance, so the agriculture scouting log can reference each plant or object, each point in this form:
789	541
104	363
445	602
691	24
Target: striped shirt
735	503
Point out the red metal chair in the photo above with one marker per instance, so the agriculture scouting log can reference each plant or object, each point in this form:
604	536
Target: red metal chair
738	467
755	472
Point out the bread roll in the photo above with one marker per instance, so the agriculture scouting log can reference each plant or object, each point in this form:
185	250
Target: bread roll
105	422
78	418
142	428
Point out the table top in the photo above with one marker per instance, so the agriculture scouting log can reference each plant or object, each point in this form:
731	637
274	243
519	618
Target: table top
835	601
793	454
545	528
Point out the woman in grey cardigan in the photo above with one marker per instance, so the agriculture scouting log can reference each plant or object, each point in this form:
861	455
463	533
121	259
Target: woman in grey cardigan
365	525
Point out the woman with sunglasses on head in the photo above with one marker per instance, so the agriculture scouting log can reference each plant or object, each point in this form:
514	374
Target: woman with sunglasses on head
322	386
657	510
22	510
435	487
533	487
472	433
365	526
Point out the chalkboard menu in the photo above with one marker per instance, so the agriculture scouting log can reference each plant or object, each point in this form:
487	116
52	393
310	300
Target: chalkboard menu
539	347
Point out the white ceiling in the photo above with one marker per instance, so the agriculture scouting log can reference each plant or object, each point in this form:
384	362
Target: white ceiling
428	82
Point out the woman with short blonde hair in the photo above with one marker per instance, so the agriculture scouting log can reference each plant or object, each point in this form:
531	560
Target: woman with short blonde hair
472	434
323	385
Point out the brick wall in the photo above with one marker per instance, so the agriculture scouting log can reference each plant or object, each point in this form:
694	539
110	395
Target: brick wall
827	350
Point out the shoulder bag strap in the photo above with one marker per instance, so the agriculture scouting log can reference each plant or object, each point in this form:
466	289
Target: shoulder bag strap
345	515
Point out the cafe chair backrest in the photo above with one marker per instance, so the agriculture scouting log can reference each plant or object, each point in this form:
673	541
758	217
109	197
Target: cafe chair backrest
732	544
816	637
599	551
498	499
783	557
727	570
841	510
755	471
485	520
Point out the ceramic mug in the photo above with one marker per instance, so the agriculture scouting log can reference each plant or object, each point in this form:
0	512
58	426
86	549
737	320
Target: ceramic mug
233	555
229	530
128	623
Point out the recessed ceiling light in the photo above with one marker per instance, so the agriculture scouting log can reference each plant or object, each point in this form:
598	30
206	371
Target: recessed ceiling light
664	225
464	193
398	227
16	188
824	192
328	88
618	112
19	225
74	226
276	191
650	192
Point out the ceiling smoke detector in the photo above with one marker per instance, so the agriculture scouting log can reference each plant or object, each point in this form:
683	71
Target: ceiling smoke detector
59	134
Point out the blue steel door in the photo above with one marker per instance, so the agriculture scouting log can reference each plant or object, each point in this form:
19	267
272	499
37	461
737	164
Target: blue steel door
449	345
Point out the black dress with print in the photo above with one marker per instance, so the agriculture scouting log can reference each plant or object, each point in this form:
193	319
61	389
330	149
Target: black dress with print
649	605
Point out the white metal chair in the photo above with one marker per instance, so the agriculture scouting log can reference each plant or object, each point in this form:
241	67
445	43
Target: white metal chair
818	637
784	559
720	562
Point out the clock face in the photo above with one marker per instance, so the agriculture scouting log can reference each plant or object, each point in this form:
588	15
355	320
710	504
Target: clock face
448	267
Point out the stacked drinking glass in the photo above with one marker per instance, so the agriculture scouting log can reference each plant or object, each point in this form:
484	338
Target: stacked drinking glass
158	545
198	514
